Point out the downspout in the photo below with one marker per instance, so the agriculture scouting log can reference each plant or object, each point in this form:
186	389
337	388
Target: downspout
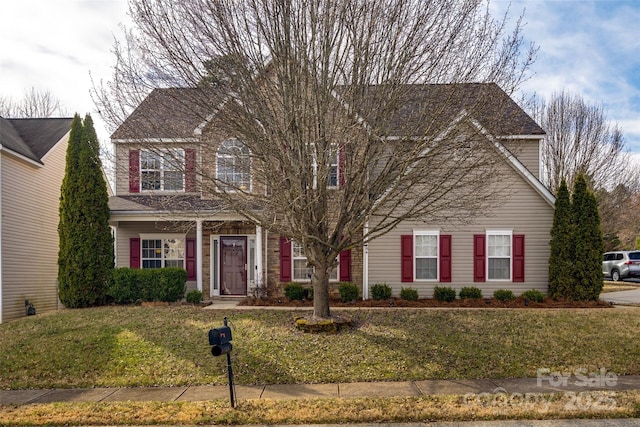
365	263
1	241
199	257
258	271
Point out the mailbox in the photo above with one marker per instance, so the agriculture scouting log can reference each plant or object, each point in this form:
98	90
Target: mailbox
219	338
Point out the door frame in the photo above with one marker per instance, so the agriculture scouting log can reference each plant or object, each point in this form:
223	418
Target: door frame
215	259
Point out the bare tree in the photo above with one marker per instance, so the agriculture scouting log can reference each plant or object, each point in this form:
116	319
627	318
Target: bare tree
332	108
579	139
34	104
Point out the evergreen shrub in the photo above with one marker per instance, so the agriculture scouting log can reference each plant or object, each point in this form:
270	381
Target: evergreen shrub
380	291
409	294
348	292
470	293
444	293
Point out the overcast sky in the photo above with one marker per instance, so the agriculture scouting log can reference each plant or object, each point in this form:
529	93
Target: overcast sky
588	47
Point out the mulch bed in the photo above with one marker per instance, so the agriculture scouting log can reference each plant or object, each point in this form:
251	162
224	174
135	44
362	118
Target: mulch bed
430	302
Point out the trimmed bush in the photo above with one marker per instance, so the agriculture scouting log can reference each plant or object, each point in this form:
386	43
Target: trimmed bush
380	291
409	294
348	292
444	293
294	291
194	297
533	295
470	293
503	295
129	285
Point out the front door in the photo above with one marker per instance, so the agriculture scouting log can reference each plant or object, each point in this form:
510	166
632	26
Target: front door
233	265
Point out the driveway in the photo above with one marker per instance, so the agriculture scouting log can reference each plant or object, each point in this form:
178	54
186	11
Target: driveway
631	297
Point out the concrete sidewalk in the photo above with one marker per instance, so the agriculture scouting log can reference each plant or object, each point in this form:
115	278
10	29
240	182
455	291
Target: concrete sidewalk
314	391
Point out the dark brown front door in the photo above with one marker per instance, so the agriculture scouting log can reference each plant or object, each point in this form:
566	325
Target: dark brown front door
233	256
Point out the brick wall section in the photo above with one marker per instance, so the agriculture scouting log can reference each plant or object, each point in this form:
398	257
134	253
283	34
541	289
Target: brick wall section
273	264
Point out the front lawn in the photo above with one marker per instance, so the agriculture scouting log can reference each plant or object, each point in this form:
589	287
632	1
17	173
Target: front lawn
147	346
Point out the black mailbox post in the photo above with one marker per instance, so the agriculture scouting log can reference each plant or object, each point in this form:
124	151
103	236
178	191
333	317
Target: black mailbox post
220	342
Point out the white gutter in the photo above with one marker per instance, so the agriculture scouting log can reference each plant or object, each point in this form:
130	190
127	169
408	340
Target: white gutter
199	256
1	258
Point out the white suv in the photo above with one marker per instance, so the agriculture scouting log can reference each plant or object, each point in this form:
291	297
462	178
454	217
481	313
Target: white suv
621	264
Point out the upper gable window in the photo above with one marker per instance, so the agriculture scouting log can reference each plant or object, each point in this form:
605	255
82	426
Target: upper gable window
333	167
233	166
162	170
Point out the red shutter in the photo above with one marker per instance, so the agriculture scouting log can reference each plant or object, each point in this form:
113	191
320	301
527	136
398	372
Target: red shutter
134	252
479	258
190	170
191	259
134	171
406	258
445	257
345	265
518	257
285	260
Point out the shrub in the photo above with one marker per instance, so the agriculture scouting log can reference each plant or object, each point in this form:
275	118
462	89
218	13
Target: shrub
194	297
380	291
348	292
409	294
470	293
503	295
294	291
444	293
130	285
533	295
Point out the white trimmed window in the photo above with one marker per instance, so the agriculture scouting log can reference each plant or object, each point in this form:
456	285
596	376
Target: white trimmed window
301	272
162	170
499	254
163	251
333	176
426	250
233	166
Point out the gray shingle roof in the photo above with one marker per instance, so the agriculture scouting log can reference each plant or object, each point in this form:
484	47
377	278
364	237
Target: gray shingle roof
32	138
168	113
156	203
177	112
428	109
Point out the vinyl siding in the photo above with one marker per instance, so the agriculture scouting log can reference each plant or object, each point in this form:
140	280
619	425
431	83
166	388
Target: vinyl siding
526	212
30	205
528	152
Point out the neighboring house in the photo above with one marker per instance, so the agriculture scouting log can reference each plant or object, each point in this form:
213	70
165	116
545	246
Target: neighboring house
32	166
163	218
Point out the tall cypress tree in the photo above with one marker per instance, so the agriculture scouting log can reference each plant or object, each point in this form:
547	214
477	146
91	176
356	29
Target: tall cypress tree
561	279
86	245
589	247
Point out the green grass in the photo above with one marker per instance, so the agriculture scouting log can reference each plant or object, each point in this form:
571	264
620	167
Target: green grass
164	346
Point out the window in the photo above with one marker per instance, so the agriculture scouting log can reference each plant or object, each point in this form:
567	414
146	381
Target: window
301	272
499	255
333	177
233	166
426	255
162	170
159	252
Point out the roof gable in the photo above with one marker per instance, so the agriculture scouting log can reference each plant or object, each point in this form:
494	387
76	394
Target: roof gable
33	138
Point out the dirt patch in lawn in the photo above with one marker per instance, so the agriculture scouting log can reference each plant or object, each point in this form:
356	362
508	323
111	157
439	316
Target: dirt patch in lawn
430	303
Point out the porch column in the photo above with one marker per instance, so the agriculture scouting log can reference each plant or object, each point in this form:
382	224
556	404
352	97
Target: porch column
199	254
259	256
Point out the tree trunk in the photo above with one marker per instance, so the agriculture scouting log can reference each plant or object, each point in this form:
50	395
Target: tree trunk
320	282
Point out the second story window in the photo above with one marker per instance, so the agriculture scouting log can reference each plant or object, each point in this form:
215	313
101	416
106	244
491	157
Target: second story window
332	166
162	170
233	166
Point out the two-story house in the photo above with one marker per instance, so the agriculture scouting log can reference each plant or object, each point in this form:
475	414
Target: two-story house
32	165
163	217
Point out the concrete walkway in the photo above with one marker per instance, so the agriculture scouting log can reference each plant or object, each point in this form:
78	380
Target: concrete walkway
509	386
